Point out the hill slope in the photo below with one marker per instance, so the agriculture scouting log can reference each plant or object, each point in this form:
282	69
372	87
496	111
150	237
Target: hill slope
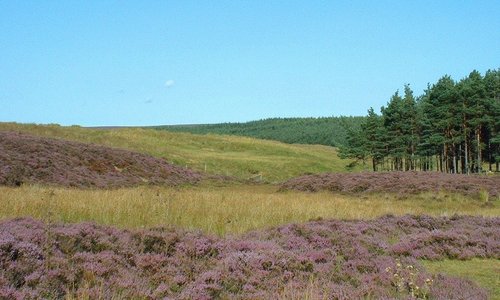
328	131
32	159
228	155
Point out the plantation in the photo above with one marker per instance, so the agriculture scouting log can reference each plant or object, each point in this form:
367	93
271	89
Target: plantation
328	131
453	127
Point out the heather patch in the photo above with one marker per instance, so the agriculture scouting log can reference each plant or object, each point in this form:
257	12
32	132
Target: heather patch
396	182
342	259
31	159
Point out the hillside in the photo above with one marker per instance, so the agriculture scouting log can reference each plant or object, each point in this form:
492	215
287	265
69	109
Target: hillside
328	131
227	155
26	158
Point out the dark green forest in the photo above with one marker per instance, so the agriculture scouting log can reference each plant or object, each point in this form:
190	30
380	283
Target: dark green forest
453	127
330	131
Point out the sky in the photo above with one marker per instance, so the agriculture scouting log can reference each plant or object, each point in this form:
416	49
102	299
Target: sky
130	63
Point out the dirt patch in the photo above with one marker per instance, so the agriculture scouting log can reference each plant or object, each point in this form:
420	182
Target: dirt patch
30	159
395	182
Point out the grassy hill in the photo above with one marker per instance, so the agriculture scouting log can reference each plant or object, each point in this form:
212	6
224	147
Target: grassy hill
328	131
216	154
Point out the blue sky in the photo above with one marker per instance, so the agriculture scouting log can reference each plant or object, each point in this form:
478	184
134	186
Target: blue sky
179	62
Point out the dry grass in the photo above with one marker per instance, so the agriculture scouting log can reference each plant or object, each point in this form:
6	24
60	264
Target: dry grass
220	210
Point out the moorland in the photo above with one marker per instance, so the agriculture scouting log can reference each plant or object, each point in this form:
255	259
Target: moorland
211	216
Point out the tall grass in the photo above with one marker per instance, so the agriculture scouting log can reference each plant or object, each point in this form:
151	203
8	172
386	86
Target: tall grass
220	210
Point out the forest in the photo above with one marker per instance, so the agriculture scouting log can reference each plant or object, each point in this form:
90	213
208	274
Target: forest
329	131
453	127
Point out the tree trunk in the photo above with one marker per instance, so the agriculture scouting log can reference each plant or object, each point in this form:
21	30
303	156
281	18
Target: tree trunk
466	156
454	160
490	163
478	135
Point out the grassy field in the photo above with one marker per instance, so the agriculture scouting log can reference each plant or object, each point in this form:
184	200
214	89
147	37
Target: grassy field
485	272
233	210
216	154
220	210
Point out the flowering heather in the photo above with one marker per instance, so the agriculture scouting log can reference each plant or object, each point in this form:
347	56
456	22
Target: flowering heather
32	159
398	182
345	259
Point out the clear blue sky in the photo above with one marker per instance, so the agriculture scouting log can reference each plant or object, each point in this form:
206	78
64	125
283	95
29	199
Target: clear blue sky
172	62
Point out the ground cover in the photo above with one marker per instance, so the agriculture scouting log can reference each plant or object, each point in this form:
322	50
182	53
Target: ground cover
226	210
27	158
215	154
344	259
486	272
398	182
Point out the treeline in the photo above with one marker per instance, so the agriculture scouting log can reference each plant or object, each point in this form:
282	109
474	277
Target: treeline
330	131
454	127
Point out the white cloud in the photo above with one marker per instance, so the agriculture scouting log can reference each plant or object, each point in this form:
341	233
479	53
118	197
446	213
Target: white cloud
169	83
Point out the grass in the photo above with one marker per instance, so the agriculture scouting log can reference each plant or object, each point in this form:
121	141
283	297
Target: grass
217	154
485	272
219	210
234	210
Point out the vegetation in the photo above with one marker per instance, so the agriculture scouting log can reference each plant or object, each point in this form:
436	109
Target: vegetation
222	210
477	269
241	157
454	127
329	131
32	159
351	259
485	188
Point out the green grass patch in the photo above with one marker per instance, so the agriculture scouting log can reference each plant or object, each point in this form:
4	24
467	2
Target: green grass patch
485	272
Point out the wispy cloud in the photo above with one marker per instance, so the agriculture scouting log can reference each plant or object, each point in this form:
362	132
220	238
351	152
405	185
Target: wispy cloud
169	83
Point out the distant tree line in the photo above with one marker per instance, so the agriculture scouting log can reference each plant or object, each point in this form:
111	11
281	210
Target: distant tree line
329	131
454	127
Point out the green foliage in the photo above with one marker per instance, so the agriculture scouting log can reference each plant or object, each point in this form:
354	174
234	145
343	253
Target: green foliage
329	131
454	127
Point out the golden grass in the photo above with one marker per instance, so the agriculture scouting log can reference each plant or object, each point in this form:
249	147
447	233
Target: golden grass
219	210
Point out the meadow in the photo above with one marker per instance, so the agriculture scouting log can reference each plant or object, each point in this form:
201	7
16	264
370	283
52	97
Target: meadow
224	210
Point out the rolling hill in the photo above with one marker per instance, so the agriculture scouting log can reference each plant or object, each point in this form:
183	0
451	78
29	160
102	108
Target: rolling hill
25	158
241	157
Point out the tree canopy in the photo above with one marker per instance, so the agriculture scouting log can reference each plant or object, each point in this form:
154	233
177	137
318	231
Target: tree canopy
453	127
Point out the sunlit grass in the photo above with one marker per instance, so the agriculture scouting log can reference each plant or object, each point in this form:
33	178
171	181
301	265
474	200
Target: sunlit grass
220	210
216	154
485	272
